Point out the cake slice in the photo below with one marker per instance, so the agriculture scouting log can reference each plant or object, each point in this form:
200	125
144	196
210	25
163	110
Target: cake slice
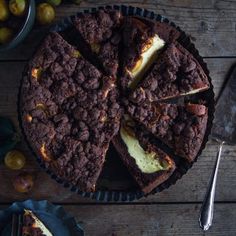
175	73
181	127
100	31
92	118
33	226
71	119
140	48
148	165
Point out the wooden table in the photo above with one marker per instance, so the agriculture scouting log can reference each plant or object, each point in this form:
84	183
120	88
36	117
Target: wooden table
212	25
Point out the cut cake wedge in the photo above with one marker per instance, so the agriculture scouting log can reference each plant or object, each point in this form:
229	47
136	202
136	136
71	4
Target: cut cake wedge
148	165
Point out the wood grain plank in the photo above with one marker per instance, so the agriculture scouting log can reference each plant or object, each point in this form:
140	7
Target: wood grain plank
190	188
151	220
210	23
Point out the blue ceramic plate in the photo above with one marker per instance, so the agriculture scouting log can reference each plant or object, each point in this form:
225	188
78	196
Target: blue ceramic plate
54	217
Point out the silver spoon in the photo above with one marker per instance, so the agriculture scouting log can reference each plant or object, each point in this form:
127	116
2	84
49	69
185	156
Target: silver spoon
206	214
223	131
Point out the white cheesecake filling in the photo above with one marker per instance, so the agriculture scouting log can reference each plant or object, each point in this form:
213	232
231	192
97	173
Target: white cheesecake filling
147	162
147	57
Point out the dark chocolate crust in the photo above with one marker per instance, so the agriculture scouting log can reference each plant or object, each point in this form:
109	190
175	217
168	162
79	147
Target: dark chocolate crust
147	182
175	73
182	128
78	117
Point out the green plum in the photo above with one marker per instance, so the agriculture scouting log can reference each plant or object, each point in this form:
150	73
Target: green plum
17	7
45	14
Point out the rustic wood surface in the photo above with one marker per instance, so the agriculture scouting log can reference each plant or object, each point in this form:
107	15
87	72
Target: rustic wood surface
212	25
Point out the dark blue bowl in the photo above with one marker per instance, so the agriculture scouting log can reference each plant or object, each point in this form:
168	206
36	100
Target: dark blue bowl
25	29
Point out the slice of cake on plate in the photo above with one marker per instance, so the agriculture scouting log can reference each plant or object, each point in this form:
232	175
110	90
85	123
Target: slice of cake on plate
142	41
175	73
99	30
148	165
70	112
181	127
31	225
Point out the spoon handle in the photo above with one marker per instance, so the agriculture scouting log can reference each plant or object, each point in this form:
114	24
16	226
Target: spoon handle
206	214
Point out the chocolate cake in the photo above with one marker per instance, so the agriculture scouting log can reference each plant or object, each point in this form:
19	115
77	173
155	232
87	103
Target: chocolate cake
149	165
100	32
181	127
176	72
32	226
81	81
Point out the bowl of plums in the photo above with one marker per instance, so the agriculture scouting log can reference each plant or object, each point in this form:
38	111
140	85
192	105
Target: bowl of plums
16	20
